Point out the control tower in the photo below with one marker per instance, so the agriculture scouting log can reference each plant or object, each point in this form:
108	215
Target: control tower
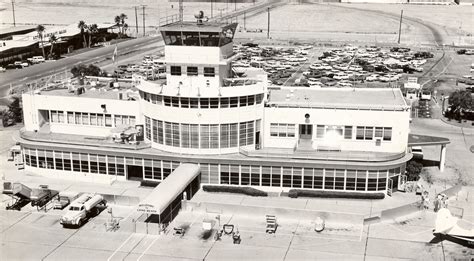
204	107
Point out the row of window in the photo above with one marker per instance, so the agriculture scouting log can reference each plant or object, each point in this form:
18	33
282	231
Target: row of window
226	174
213	39
94	119
96	164
310	178
369	133
346	132
282	130
204	136
193	71
203	103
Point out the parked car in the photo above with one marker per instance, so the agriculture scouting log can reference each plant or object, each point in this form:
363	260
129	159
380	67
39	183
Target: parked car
38	59
2	69
417	152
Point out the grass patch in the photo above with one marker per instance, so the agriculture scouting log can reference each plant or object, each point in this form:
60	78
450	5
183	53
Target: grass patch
294	193
237	190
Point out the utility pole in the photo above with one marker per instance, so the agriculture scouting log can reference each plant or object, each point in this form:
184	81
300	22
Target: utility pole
268	27
136	21
181	10
13	9
245	28
143	6
400	27
235	5
212	9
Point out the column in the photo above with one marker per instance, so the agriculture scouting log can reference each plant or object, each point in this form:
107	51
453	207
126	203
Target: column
442	158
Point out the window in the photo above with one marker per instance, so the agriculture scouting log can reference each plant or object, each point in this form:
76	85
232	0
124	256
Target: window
172	38
175	70
328	178
350	179
320	131
250	100
184	102
194	134
361	180
167	100
194	103
360	133
282	130
348	132
204	103
78	118
234	102
255	176
100	119
224	135
233	134
168	140
70	117
175	134
369	133
214	103
387	133
191	38
205	136
175	101
192	71
185	136
287	177
276	176
147	128
160	132
308	178
209	72
85	118
339	179
378	132
259	98
225	102
243	101
108	120
117	118
94	119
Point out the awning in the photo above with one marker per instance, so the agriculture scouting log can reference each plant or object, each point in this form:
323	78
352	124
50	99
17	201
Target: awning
162	196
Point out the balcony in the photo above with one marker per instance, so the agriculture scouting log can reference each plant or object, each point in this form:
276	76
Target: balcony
44	135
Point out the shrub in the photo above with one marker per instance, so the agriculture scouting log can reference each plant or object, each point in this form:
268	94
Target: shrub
238	190
413	170
294	193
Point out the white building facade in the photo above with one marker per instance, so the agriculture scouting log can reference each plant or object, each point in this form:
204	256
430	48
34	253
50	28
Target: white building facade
240	131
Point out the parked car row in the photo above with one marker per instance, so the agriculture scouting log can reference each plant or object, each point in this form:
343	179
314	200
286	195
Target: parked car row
352	64
22	64
152	67
279	63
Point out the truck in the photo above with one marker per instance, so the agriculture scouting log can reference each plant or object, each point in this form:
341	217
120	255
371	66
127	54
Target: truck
64	198
42	195
83	208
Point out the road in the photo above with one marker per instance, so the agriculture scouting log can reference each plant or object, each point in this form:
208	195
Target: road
29	74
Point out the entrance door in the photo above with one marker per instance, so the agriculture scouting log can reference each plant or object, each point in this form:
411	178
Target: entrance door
134	172
306	131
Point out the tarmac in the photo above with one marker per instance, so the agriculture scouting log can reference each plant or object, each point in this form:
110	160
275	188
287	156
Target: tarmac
30	234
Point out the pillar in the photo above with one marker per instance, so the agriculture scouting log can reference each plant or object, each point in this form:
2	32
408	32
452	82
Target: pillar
442	158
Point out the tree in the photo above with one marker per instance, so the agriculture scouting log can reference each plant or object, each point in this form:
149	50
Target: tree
15	110
120	22
413	170
83	26
40	30
92	29
460	102
52	40
84	70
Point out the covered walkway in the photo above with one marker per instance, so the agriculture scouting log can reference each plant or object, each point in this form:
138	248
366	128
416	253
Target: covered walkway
164	202
424	140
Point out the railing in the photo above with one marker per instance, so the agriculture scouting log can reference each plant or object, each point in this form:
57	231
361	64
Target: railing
293	153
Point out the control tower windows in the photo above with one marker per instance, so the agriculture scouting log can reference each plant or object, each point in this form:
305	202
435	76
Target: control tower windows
191	39
209	39
209	72
172	38
192	71
175	70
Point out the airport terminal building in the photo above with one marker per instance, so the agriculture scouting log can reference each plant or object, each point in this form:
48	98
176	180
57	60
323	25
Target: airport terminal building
238	130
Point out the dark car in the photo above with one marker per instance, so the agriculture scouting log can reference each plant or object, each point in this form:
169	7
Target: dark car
250	44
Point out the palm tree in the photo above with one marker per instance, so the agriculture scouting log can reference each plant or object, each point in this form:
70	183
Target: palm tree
120	22
40	30
52	39
83	26
92	29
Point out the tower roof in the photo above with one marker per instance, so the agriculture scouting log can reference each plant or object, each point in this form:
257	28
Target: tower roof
194	27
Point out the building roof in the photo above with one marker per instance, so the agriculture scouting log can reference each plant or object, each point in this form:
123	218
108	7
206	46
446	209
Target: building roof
194	27
162	196
339	98
14	30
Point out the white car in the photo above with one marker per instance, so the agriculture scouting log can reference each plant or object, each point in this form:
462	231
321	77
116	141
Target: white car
37	59
371	78
2	69
417	152
344	84
341	76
